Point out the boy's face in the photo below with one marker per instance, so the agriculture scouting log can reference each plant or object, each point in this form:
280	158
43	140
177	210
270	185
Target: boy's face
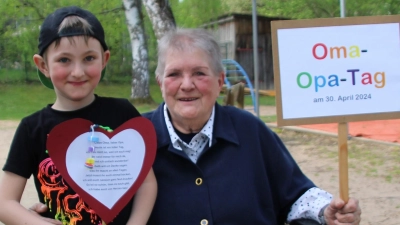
74	67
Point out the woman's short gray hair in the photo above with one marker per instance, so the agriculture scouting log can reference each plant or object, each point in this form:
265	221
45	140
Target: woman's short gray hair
184	39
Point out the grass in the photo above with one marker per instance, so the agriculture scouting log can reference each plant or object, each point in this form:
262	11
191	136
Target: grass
20	99
369	161
268	119
277	130
22	94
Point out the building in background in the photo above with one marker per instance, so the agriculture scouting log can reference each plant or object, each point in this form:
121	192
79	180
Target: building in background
235	35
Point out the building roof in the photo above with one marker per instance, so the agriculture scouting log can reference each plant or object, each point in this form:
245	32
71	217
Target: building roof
234	16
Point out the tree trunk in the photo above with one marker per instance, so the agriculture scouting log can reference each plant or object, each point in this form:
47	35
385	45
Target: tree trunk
140	72
161	17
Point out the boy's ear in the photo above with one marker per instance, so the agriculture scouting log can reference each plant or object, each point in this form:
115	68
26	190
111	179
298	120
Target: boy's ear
41	64
106	57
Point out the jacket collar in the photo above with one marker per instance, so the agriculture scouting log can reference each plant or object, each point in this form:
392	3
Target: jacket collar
223	126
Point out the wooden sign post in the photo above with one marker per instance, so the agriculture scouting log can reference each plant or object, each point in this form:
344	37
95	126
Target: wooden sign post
337	70
343	164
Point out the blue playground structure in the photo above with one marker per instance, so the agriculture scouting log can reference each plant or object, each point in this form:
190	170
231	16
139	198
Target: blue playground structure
234	73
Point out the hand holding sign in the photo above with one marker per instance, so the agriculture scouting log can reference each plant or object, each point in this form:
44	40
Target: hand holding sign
333	70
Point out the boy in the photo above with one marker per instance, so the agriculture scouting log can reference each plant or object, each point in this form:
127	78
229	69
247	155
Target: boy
72	57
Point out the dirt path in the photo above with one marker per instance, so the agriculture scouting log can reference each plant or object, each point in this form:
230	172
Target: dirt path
374	170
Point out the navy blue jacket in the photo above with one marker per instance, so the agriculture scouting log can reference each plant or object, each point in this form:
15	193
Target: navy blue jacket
247	176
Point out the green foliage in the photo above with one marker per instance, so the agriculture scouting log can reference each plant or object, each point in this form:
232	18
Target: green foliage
305	9
193	13
20	24
287	8
21	19
238	6
17	76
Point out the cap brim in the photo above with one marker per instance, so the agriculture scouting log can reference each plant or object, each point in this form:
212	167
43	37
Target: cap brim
47	82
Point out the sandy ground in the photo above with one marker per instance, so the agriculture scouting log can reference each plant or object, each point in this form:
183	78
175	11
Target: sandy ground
374	169
7	130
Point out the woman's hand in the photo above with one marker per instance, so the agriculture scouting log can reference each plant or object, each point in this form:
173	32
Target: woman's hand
339	212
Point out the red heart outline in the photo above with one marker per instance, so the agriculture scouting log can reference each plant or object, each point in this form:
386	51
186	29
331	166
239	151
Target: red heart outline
62	135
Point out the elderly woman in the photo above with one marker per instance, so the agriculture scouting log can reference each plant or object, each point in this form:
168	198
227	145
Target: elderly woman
220	164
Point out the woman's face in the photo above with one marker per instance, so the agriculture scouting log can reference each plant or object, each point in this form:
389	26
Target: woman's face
189	86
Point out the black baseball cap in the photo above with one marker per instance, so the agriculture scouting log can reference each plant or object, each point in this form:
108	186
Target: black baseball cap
49	32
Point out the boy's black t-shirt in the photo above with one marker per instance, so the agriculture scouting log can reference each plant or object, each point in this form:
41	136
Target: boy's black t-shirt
28	157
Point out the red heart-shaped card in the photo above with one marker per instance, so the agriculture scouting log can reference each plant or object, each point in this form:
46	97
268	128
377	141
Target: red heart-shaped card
104	168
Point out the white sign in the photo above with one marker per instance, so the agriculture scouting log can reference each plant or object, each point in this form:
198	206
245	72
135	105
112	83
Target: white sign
339	70
117	164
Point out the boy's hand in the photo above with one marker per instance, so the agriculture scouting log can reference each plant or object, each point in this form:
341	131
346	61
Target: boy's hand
41	208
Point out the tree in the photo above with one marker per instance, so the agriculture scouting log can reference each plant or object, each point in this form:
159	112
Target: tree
20	29
140	71
237	6
200	12
161	16
307	9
